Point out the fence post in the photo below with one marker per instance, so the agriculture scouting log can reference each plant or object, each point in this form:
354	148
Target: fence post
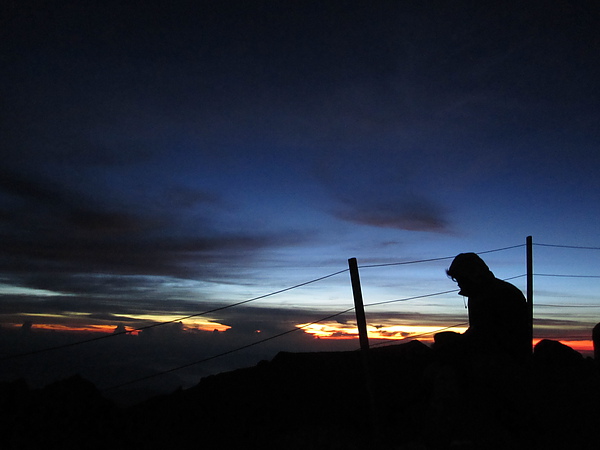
359	308
361	320
530	289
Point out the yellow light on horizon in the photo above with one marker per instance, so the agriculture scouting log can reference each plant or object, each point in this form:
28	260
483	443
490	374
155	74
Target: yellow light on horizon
59	327
77	322
192	323
335	330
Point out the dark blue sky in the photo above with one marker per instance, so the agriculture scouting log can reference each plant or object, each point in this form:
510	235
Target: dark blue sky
161	158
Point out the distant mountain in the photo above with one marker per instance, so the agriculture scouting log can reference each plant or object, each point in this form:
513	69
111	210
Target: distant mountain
407	399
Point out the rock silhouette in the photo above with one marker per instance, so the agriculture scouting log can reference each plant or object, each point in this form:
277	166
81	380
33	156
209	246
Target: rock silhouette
321	401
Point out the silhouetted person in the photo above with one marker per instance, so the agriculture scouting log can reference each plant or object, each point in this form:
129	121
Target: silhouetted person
498	313
476	369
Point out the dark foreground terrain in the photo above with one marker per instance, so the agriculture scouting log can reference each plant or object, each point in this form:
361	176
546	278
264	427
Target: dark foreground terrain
321	401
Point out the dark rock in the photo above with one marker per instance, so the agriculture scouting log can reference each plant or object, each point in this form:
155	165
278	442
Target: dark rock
556	353
406	399
63	414
596	340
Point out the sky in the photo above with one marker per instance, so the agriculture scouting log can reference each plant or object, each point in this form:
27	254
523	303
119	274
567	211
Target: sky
166	159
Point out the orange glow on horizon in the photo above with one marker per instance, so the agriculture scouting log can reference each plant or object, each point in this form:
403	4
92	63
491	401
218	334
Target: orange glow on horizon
192	323
80	328
338	331
582	346
73	323
78	322
335	330
112	328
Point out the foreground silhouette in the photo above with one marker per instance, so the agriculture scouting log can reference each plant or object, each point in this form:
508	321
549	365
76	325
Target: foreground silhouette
499	322
318	401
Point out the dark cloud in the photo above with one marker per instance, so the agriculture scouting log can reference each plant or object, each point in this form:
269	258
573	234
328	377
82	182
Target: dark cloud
184	197
388	189
54	237
419	319
53	209
567	325
16	185
110	308
417	215
128	255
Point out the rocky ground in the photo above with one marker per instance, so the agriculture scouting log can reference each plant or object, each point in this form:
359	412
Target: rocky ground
407	399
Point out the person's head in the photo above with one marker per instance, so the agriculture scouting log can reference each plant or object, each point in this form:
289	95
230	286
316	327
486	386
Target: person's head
470	272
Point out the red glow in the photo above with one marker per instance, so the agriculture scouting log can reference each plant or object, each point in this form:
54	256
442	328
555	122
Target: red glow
58	327
583	346
109	329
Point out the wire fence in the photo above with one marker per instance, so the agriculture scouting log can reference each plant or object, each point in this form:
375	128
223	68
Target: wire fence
370	307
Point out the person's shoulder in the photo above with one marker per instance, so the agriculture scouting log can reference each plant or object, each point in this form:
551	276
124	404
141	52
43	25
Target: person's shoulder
509	288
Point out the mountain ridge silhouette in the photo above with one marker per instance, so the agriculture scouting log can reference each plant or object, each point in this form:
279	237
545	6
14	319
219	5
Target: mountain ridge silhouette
326	400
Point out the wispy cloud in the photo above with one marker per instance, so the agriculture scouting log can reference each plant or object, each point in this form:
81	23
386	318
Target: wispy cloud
53	237
410	215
